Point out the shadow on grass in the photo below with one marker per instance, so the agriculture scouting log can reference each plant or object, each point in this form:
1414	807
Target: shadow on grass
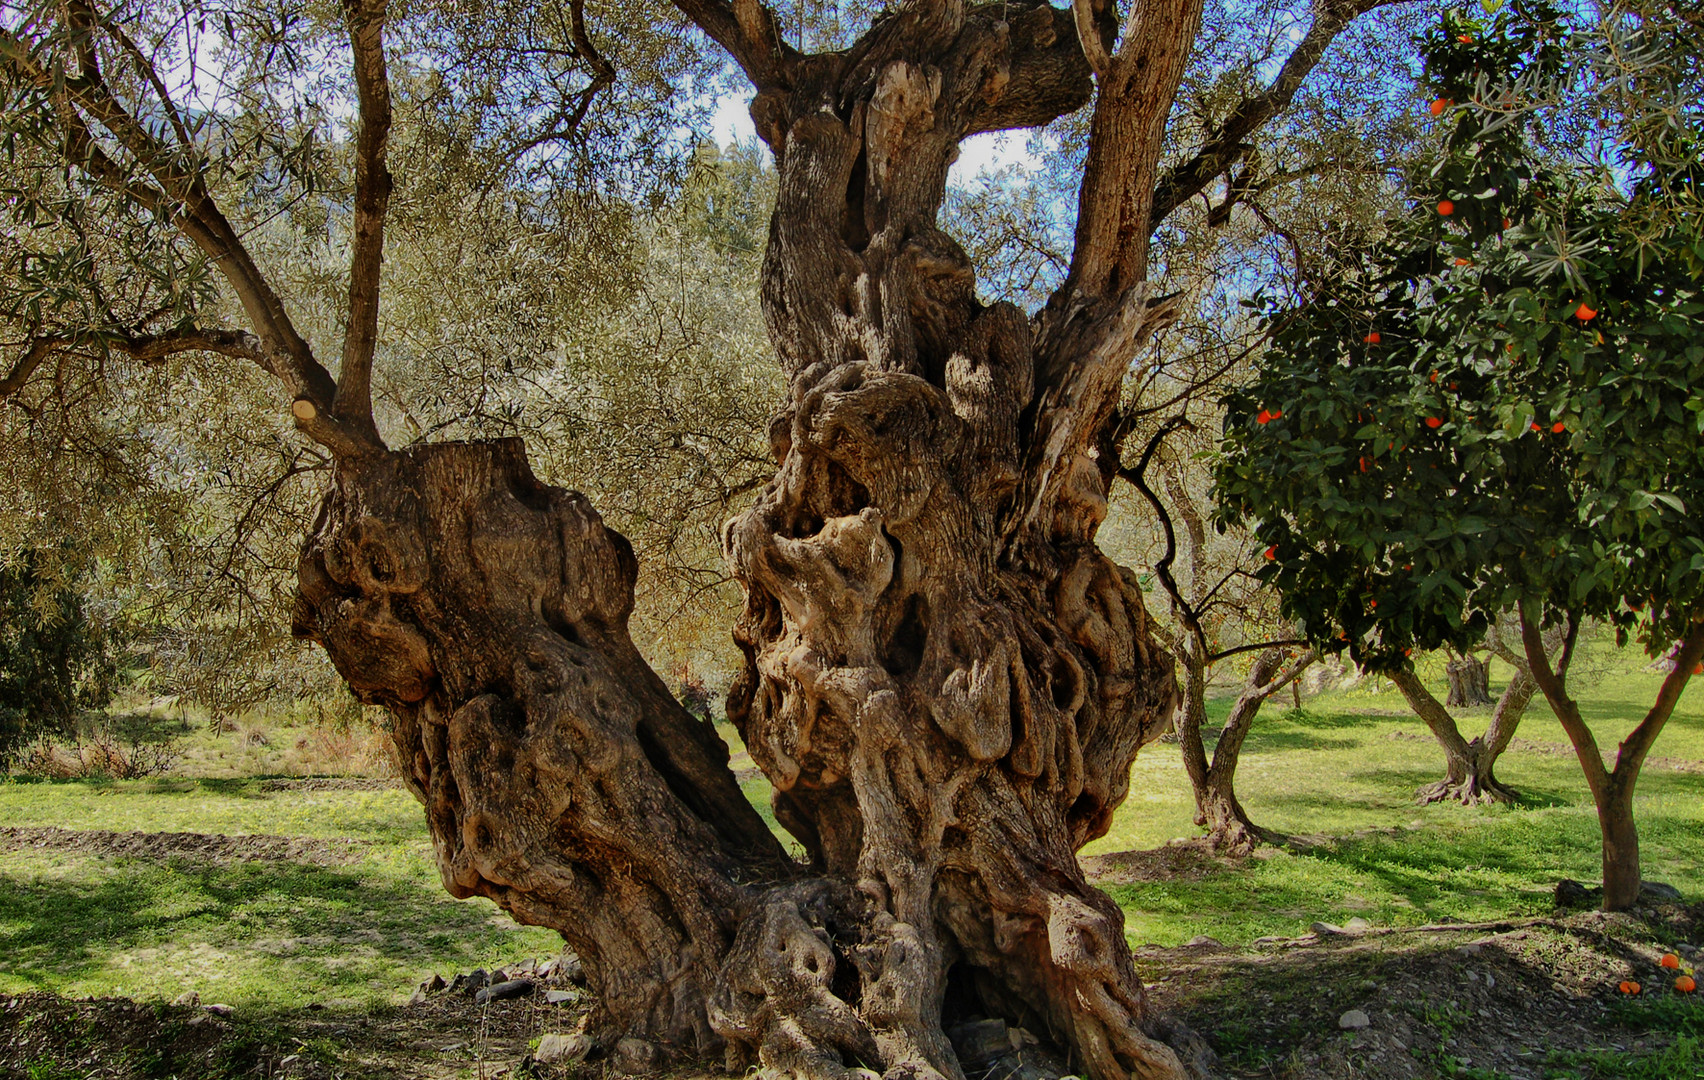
68	921
1267	738
1493	866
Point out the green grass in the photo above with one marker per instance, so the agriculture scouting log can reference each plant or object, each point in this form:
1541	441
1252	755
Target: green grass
248	933
1350	761
1343	770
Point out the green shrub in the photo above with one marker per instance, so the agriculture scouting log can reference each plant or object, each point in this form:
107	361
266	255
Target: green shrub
56	664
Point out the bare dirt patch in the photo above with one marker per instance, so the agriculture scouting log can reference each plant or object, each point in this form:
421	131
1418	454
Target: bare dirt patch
180	845
1437	1001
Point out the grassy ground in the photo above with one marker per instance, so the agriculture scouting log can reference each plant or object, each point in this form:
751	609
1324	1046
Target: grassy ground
364	926
1346	766
358	926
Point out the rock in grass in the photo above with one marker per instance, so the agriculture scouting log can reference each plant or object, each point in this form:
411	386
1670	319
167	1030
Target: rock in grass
561	997
509	988
562	1049
1357	924
188	997
1202	941
1325	929
1354	1020
219	1010
471	983
1660	891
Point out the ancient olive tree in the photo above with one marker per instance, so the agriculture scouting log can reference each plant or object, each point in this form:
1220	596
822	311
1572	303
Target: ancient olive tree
1499	409
946	680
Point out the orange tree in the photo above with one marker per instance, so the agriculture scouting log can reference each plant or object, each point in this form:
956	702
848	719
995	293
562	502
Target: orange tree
1500	406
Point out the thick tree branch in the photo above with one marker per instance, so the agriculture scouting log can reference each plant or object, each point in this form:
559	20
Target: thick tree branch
1110	253
353	405
750	33
1637	745
1228	142
1089	36
181	197
1430	710
148	348
38	351
1553	681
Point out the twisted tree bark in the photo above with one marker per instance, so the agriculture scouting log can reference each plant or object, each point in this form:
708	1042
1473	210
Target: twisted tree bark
946	681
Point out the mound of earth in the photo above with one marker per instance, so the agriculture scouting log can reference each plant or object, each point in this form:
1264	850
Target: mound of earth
1491	1001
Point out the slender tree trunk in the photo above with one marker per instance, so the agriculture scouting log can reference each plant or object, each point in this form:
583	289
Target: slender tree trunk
1229	828
1470	776
1622	877
1612	789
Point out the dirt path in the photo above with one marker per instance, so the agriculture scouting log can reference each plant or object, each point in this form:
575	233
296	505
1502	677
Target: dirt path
167	845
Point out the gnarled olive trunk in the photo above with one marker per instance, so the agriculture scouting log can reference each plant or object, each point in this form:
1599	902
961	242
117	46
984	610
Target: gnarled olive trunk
489	613
1470	682
946	682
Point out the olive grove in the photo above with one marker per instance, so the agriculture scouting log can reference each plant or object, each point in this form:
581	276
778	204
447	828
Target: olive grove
945	678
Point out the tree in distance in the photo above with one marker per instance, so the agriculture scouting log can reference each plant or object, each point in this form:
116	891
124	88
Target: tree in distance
56	663
1499	409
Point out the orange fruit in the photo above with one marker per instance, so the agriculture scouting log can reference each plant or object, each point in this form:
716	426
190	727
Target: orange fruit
1265	416
1464	39
1446	208
1629	987
1584	312
1272	552
1669	960
1440	105
1685	984
1434	422
1372	338
1557	427
1464	262
1366	463
1507	223
1535	426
